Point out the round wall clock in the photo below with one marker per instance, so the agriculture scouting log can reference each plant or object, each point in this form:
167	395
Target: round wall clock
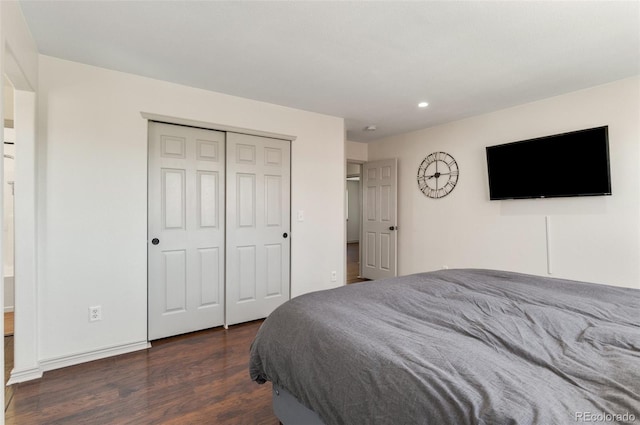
438	175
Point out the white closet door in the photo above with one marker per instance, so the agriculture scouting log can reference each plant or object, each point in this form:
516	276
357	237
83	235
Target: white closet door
258	226
186	254
379	225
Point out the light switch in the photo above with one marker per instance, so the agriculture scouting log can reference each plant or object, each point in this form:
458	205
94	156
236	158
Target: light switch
300	215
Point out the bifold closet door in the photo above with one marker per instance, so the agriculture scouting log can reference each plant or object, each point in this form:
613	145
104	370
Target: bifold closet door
186	252
258	226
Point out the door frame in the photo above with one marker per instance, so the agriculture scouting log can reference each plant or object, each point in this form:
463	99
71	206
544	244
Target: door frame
26	363
167	119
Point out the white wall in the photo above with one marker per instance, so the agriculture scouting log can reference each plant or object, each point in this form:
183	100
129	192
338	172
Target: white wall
8	100
94	149
356	151
18	42
594	239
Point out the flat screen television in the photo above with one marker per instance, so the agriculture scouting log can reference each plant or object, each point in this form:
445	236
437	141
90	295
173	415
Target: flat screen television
569	164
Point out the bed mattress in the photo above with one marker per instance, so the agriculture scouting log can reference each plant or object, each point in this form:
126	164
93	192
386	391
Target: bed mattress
458	347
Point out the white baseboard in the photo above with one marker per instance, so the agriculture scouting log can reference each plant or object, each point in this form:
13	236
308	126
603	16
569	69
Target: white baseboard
74	359
8	309
24	375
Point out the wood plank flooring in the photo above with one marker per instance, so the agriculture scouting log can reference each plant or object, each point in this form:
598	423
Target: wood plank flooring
198	378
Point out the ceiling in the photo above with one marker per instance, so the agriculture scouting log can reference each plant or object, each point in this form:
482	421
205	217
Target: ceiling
369	62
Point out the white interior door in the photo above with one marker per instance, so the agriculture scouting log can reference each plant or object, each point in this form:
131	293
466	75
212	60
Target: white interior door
186	255
258	226
379	225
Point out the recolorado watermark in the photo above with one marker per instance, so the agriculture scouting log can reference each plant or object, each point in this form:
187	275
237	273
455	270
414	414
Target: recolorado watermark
605	417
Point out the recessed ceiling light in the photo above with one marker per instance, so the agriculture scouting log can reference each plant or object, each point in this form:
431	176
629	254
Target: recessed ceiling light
423	104
370	128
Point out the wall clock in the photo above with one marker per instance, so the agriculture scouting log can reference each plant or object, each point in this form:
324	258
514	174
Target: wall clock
438	175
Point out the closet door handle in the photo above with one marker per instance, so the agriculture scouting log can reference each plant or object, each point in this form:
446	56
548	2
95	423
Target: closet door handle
285	235
155	241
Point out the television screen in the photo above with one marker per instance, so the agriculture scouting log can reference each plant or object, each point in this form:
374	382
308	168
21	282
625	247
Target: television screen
569	164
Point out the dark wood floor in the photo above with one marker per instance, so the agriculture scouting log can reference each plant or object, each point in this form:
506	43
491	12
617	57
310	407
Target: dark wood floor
199	378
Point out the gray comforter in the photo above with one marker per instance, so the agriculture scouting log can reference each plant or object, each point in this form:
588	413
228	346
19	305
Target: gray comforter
458	347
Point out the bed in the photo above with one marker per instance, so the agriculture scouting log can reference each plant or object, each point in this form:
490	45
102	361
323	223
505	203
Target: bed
454	347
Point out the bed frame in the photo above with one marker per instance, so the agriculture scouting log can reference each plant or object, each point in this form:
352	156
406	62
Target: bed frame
290	411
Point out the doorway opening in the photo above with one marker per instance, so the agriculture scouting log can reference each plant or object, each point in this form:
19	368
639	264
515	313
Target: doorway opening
354	215
8	232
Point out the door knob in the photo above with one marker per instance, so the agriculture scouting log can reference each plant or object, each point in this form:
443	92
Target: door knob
155	241
284	235
393	227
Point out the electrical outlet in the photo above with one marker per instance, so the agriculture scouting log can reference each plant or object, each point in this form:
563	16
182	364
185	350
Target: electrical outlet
95	313
334	276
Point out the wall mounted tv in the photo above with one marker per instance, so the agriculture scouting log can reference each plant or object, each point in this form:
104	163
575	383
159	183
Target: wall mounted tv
569	164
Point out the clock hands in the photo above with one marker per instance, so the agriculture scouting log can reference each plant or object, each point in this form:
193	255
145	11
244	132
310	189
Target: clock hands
436	175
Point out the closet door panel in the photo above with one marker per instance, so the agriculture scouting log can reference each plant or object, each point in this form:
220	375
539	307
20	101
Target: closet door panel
258	222
186	214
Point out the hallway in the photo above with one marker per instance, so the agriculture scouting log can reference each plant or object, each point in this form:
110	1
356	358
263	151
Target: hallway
353	263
